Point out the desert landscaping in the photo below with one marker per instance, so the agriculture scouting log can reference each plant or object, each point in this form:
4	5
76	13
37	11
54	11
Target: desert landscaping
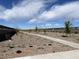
29	45
19	43
72	37
39	29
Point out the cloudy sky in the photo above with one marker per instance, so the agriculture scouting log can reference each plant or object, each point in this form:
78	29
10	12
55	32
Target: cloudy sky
27	14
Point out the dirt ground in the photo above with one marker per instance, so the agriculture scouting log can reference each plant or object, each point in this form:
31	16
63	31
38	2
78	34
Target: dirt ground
28	45
72	37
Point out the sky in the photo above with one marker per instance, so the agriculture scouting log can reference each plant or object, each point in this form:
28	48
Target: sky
27	14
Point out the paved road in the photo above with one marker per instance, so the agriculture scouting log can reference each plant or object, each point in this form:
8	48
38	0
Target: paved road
72	44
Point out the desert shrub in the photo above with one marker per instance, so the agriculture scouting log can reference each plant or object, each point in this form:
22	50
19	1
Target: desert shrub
67	27
64	36
44	31
77	39
50	44
18	51
17	30
36	29
40	48
44	44
53	51
76	32
30	46
11	46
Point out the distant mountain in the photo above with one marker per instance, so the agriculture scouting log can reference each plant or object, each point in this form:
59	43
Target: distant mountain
5	27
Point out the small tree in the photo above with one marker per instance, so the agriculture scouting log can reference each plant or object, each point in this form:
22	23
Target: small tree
67	27
44	31
36	28
17	30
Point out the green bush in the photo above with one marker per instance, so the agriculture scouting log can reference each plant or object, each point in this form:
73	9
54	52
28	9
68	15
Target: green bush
67	27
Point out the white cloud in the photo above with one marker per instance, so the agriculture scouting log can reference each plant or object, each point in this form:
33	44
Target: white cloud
56	25
29	10
46	25
69	10
64	10
32	20
49	25
2	9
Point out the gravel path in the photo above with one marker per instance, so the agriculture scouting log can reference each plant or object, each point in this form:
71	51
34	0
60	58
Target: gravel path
74	45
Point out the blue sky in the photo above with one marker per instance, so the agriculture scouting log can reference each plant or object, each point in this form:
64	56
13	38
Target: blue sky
26	14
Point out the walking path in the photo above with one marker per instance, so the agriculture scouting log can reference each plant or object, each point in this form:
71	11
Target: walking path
72	44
